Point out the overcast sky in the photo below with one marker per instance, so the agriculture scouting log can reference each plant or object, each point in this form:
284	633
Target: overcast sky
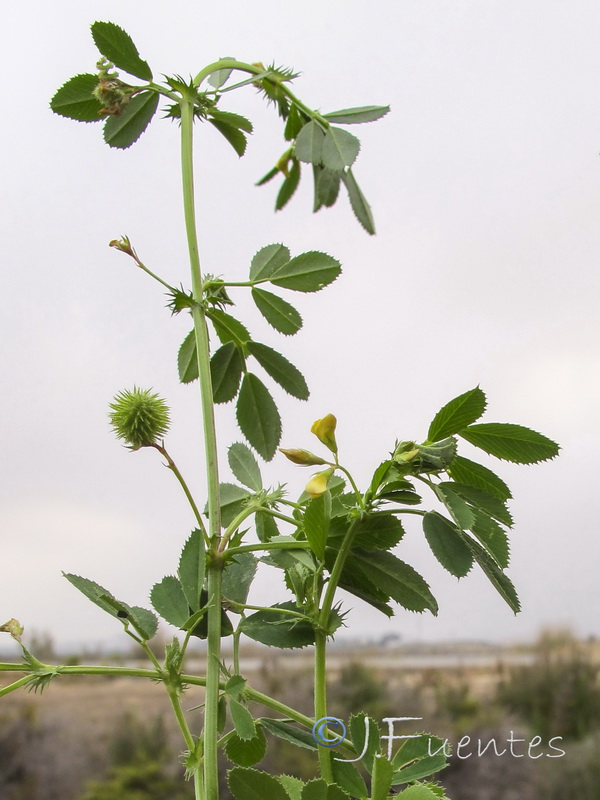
485	185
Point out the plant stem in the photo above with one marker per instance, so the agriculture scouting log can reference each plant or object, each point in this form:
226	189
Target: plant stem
321	700
16	685
248	548
211	778
173	467
188	738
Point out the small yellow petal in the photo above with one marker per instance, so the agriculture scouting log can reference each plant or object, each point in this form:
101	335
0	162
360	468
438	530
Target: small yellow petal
324	430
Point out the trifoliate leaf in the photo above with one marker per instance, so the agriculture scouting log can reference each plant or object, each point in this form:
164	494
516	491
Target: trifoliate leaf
362	210
191	569
457	414
309	143
308	272
250	784
244	466
246	753
353	116
289	186
75	99
169	600
234	135
279	629
340	149
118	47
268	260
278	312
258	417
511	442
123	130
446	544
280	369
226	367
187	363
464	471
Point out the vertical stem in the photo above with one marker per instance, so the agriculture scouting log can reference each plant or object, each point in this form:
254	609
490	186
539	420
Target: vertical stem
321	700
211	776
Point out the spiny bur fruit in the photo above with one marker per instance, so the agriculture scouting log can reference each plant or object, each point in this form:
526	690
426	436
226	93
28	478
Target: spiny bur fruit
139	417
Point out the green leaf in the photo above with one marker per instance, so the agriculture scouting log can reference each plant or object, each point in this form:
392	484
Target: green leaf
383	772
482	500
268	260
496	576
318	789
227	328
419	791
118	47
289	186
417	749
461	512
123	130
340	149
242	720
293	786
294	123
249	784
349	779
328	186
234	135
268	177
446	544
219	77
232	501
244	466
360	731
355	581
191	569
317	517
280	369
75	99
457	414
277	311
308	272
289	733
397	580
144	621
462	470
238	576
226	367
279	629
511	442
266	527
353	116
309	143
232	120
258	417
492	537
246	753
358	202
169	600
187	363
375	531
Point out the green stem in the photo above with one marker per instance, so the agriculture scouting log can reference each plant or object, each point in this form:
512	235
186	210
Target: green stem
213	674
16	685
335	575
188	738
173	467
248	548
211	778
321	700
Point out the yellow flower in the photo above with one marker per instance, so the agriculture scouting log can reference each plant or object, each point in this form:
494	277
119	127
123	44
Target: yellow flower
324	430
317	485
302	457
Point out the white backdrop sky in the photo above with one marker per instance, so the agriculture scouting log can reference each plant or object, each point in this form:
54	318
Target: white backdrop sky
485	185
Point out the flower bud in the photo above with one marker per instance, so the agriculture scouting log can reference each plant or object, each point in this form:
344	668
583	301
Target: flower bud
139	417
302	457
13	627
317	485
324	430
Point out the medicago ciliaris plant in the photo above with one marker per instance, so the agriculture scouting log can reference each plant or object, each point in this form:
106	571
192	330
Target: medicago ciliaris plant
335	535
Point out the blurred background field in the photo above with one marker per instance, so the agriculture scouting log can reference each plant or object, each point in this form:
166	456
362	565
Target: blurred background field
88	738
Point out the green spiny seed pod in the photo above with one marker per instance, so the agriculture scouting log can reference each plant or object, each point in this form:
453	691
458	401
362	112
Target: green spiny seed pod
139	417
